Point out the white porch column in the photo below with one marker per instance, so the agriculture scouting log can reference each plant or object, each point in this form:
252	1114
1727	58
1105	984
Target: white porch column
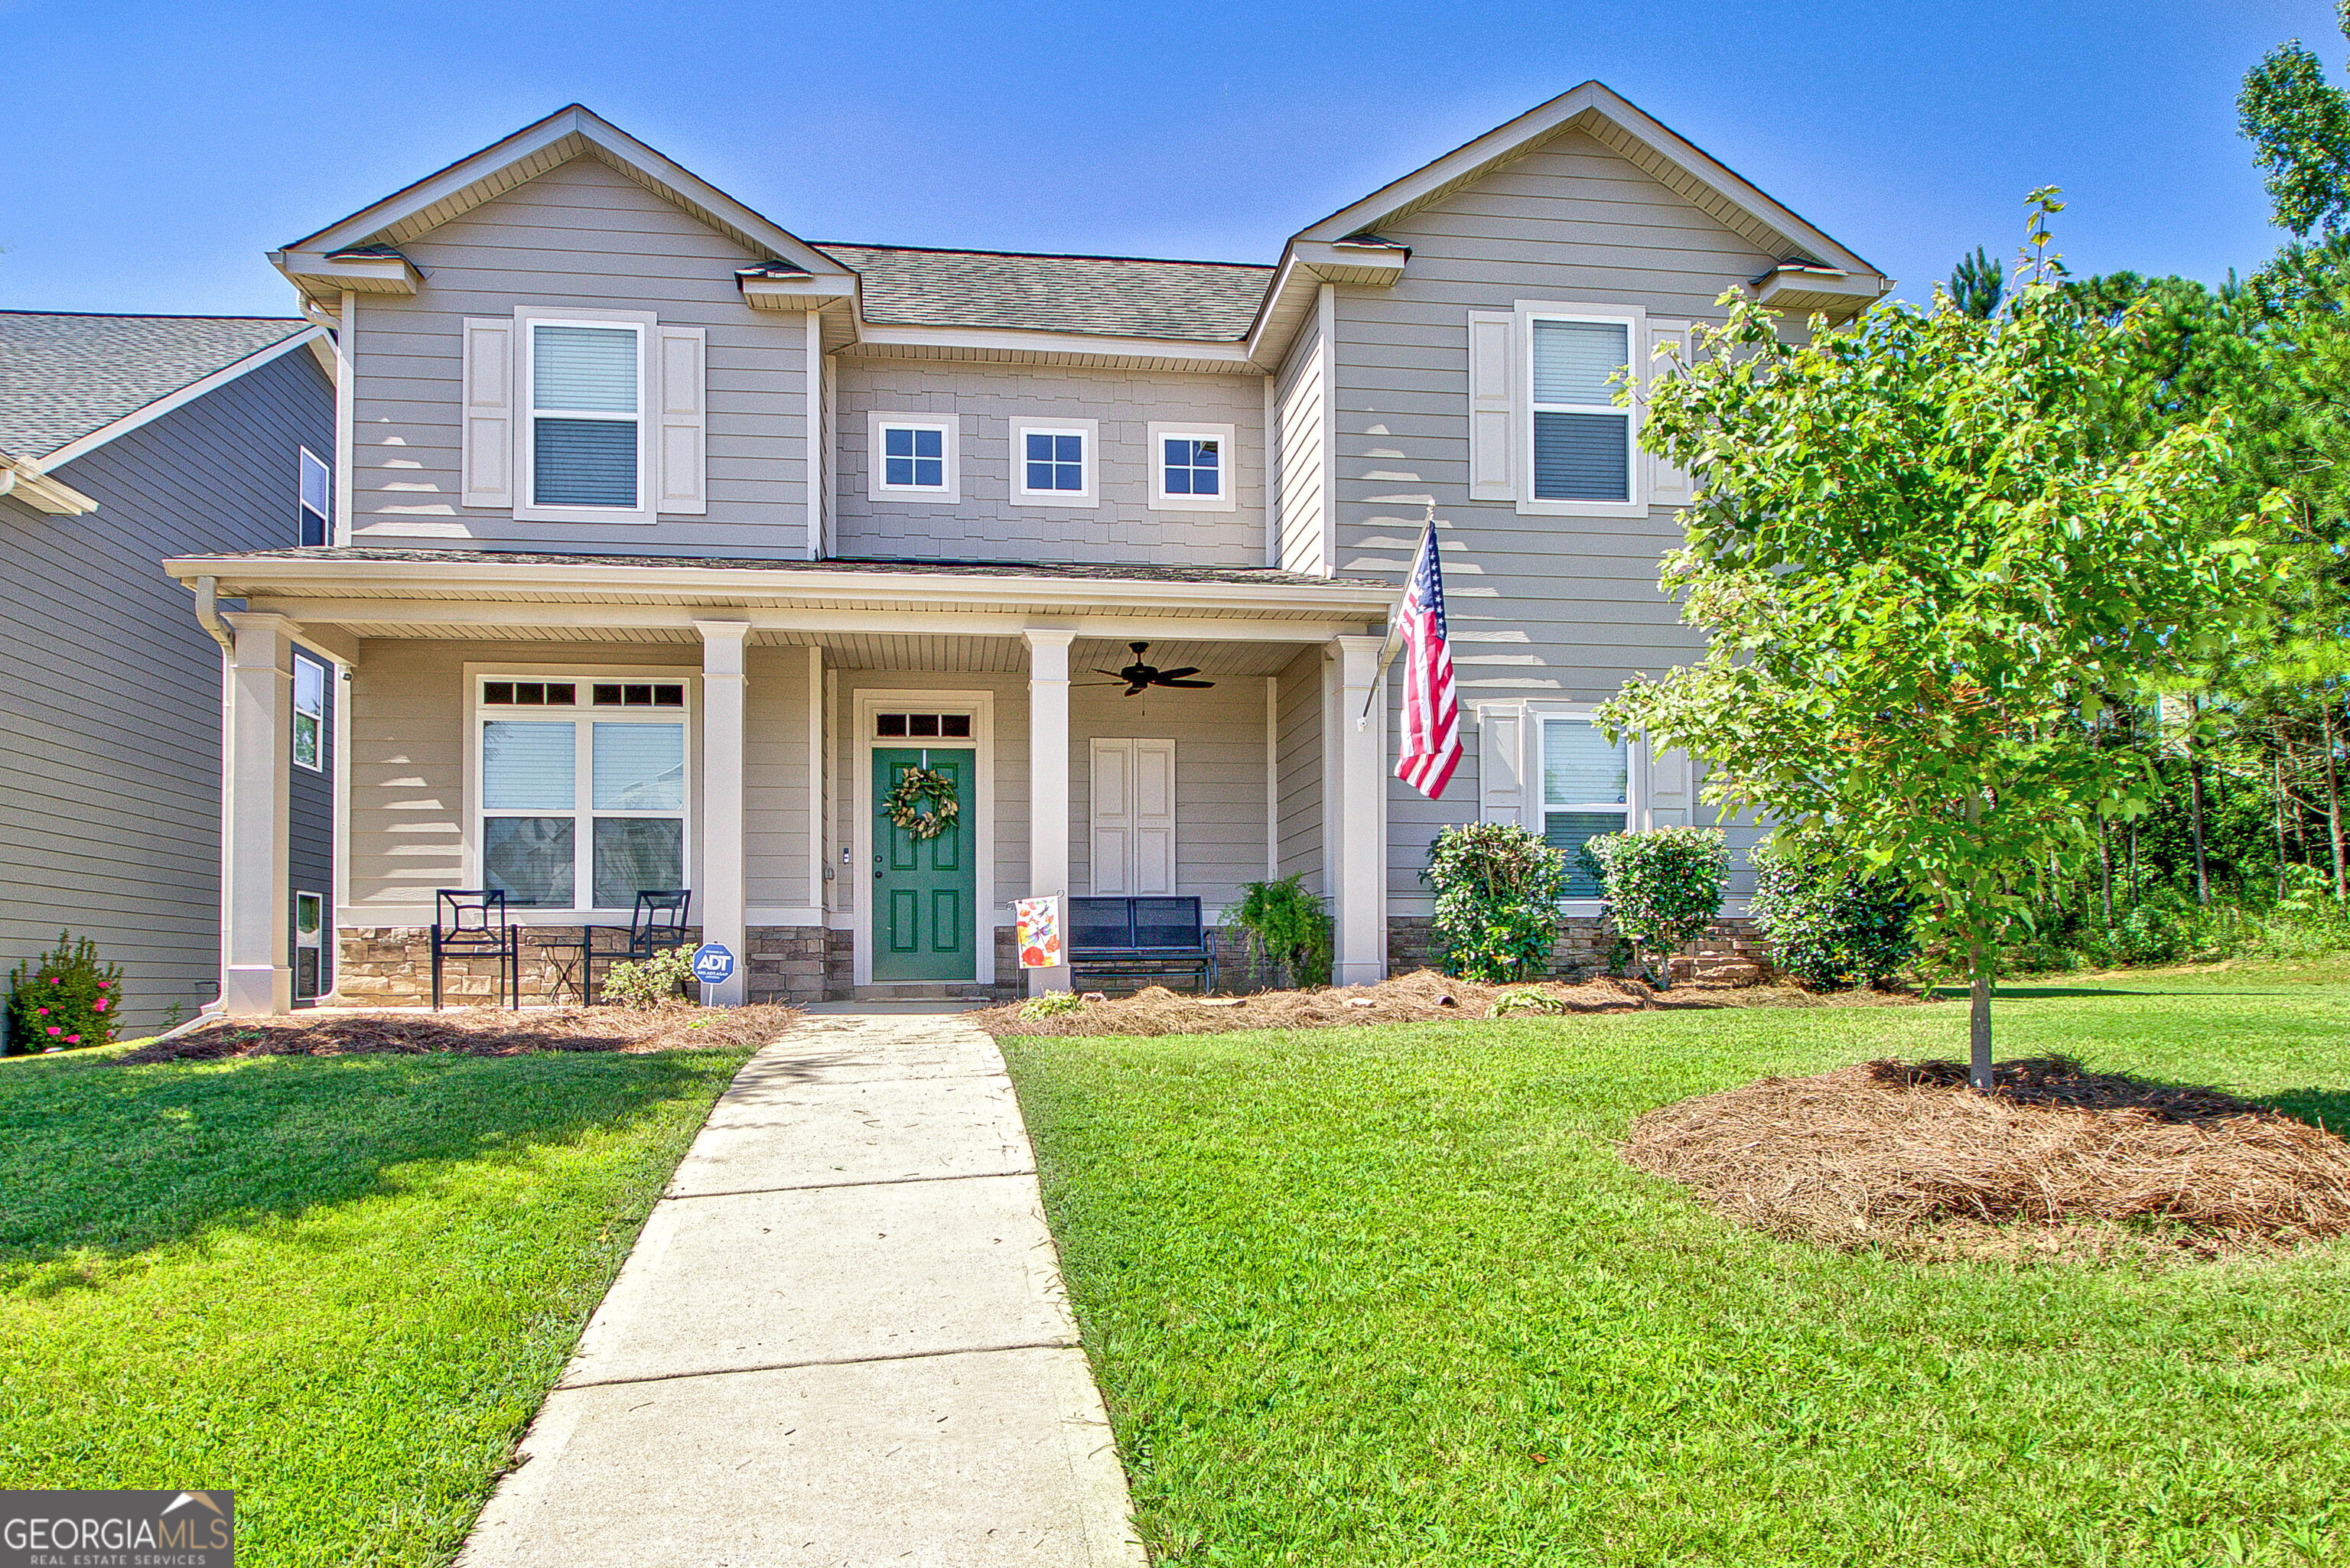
1048	783
720	898
1354	818
256	819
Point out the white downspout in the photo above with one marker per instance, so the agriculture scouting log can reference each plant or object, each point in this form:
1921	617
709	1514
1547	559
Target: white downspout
208	616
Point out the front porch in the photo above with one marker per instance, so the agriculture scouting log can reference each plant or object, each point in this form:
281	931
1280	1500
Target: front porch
574	729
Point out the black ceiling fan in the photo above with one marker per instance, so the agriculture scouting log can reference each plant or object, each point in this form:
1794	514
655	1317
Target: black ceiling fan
1139	677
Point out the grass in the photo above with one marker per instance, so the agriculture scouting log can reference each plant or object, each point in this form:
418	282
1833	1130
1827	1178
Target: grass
1387	1296
340	1285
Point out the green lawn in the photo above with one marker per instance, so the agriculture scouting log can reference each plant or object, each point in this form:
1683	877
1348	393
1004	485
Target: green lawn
340	1285
1386	1296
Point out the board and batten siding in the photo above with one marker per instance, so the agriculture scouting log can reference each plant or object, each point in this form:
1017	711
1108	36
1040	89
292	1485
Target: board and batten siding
1541	607
581	236
985	525
110	691
1301	470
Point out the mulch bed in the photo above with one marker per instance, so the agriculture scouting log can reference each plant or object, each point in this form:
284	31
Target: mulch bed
2055	1161
476	1031
1421	997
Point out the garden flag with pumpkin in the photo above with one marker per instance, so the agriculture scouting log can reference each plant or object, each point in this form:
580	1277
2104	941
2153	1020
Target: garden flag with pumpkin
1432	715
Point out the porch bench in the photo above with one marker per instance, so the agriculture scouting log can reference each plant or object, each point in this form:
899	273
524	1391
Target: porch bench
1146	940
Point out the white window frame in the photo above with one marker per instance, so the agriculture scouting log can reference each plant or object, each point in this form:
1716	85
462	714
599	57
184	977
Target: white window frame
325	515
1227	447
527	320
1634	322
322	945
1086	430
294	738
583	812
876	488
1544	715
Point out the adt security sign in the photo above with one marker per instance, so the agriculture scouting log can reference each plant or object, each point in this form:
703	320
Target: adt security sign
713	964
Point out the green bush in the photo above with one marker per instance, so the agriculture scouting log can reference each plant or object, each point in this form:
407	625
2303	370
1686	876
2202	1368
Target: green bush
1497	892
1663	887
65	1000
1830	927
1052	1004
663	977
1288	925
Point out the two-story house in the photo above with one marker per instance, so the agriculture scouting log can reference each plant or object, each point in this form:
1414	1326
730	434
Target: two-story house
123	439
668	539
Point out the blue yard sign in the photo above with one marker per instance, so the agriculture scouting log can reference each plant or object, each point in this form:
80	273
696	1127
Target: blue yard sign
713	964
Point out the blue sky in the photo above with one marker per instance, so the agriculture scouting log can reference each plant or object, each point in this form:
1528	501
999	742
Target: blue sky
154	151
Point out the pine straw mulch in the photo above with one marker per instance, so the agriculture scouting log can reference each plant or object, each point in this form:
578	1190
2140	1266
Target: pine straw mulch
476	1031
1421	997
2056	1162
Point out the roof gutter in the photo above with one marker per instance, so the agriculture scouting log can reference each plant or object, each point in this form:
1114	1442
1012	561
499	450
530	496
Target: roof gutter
208	614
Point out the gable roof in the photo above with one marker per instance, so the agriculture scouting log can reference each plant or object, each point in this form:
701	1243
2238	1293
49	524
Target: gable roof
1124	296
66	377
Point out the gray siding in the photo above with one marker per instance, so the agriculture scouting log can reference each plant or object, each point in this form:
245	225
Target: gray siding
109	707
1303	469
1299	724
585	236
1562	609
1220	762
986	527
776	775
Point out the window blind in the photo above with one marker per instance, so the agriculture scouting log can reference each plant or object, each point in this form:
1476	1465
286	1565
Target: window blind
1582	457
639	767
1573	360
591	368
529	766
1581	766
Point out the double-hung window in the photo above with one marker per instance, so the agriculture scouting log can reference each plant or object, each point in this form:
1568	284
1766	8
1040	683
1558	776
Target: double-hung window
1583	449
913	457
311	510
584	442
309	714
583	790
1052	463
1585	792
1192	468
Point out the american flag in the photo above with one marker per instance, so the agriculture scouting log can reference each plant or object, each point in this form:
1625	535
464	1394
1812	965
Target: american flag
1431	717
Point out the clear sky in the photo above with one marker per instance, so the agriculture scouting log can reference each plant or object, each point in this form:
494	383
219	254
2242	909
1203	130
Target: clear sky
153	150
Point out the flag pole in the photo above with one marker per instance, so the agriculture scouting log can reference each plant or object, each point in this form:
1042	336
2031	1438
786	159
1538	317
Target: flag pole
1394	644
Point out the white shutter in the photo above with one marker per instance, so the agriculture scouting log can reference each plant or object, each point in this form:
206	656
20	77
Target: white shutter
1154	816
1668	485
487	440
679	458
1671	794
1501	765
1113	812
1492	406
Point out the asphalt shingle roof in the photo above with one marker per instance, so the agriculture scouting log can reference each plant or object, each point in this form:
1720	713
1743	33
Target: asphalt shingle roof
65	374
1124	297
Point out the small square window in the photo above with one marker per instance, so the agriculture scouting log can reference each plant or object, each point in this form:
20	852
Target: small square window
955	726
669	696
914	457
500	692
1194	467
923	724
889	725
1055	463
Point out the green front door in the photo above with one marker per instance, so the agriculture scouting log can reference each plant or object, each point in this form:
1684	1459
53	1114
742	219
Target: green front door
924	922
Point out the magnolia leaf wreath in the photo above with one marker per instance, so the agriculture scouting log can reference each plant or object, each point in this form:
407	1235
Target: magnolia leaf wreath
923	803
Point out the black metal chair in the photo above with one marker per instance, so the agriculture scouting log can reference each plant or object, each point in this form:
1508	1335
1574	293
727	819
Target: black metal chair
658	926
469	922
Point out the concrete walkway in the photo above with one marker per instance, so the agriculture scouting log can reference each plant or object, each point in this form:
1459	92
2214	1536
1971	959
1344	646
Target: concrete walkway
840	1340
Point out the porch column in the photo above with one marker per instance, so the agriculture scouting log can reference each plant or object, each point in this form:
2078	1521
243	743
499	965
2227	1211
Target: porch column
1048	784
720	899
256	978
1354	818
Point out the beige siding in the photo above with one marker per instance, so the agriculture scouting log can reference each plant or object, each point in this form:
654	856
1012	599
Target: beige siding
1563	608
1299	398
1299	726
1220	815
585	236
775	779
986	527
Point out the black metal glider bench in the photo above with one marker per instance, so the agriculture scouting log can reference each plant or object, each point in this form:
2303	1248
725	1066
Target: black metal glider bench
1142	941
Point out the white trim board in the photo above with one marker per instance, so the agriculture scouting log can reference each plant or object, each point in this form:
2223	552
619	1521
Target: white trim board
865	701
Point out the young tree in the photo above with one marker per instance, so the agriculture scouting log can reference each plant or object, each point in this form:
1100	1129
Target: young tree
2300	124
1976	285
1929	553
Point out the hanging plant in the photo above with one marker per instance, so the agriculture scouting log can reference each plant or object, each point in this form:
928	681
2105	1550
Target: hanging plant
923	803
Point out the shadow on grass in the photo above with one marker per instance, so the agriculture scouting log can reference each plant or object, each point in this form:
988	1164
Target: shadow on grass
2010	992
107	1159
2326	1108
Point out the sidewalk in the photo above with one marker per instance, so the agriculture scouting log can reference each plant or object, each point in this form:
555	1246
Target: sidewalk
840	1340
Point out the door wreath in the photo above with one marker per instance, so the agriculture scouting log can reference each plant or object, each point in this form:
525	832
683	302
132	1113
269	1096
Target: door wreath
922	802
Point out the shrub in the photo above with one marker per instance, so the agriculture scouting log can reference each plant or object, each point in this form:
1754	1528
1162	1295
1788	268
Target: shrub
1663	887
1052	1004
1830	928
1510	1002
651	982
1288	925
65	998
1497	891
2148	933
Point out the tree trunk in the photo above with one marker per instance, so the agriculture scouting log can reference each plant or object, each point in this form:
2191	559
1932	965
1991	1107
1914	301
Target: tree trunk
2276	780
1978	1020
2105	868
2333	800
2195	818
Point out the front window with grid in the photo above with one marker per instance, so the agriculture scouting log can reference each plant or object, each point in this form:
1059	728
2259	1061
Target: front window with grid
914	457
1585	780
309	714
1053	462
583	415
582	795
1582	442
1194	465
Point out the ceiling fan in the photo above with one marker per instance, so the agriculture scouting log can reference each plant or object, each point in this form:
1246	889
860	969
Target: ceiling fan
1139	677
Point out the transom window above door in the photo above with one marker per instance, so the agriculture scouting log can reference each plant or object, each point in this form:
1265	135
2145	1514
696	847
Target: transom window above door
924	726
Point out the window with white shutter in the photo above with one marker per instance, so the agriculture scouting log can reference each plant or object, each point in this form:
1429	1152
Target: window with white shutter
1501	763
488	439
1573	448
1492	406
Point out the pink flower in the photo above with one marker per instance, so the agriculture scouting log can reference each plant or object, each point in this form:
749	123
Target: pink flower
100	1005
42	1011
73	1039
102	984
57	980
55	1029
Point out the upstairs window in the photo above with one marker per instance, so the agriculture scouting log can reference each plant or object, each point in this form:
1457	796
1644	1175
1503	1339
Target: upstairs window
913	457
1586	785
1192	468
1582	441
309	714
1052	463
311	513
584	384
